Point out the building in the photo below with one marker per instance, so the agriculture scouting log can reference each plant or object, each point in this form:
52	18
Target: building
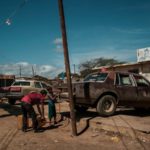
6	80
143	54
142	66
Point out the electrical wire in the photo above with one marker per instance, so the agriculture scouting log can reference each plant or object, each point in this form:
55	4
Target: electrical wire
8	20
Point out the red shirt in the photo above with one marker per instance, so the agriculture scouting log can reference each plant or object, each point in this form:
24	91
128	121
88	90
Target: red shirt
33	98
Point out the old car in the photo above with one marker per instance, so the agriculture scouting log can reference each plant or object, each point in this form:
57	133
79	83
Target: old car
105	91
21	87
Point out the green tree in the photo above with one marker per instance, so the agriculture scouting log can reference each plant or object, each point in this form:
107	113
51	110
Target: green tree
86	67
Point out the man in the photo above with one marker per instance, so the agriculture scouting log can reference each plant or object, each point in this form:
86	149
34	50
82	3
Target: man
27	103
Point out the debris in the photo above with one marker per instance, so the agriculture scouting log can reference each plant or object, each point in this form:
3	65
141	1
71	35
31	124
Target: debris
115	139
98	122
56	141
94	135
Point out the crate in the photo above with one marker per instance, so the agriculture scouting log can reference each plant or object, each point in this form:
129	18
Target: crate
41	122
20	122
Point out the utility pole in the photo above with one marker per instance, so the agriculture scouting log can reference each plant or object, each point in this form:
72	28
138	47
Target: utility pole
67	66
20	70
33	73
74	68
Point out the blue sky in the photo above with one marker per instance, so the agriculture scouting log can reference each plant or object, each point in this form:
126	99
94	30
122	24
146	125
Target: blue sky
30	34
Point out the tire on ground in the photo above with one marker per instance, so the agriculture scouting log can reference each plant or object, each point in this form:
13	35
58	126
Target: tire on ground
106	105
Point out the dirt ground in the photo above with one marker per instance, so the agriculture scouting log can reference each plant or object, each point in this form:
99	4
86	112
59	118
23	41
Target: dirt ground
90	135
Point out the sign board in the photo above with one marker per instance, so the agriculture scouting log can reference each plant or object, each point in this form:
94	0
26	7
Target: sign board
143	54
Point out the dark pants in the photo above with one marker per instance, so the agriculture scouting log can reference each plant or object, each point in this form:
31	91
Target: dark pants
28	110
51	109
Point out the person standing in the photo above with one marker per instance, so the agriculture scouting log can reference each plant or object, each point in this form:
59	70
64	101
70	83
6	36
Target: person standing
51	106
27	103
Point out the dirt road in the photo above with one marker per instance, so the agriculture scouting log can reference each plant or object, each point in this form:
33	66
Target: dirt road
92	134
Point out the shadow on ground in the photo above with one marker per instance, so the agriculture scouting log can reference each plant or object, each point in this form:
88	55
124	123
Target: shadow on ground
133	112
89	115
11	110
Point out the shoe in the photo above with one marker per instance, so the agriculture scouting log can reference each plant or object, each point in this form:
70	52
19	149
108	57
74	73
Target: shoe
24	130
38	130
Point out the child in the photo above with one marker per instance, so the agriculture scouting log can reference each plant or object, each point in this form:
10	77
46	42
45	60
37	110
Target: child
51	107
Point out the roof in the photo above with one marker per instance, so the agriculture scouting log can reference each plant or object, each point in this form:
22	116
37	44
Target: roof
122	65
7	76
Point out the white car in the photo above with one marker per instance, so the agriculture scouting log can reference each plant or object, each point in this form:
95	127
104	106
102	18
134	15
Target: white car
22	87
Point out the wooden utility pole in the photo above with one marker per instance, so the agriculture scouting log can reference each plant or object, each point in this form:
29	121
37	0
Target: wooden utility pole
33	73
74	68
20	70
67	66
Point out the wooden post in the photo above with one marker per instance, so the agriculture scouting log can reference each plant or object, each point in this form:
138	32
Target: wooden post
67	66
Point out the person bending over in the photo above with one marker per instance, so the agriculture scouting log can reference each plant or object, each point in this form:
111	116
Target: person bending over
27	103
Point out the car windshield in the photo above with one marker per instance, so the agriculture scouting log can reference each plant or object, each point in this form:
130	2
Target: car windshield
21	83
96	77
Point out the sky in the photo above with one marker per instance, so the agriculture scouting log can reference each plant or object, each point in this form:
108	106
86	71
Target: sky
30	33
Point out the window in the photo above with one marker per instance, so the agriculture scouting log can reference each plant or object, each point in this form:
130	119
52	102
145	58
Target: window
37	84
96	77
141	81
44	85
102	76
21	83
124	79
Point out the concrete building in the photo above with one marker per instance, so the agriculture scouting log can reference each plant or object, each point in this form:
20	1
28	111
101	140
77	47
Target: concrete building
142	66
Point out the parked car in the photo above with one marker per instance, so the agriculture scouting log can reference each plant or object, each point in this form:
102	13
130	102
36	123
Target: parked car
22	87
3	91
105	91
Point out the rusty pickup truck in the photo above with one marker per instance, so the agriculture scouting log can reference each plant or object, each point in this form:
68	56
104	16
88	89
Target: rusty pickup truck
105	91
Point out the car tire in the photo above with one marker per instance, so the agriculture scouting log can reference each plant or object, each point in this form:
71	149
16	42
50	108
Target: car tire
106	105
12	101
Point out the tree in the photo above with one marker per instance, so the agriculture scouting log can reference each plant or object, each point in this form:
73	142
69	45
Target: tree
86	67
62	75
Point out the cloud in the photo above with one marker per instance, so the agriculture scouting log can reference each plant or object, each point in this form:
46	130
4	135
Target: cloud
25	64
58	45
27	69
58	41
109	52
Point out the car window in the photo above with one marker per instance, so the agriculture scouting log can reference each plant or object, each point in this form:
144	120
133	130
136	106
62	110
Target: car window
21	83
123	79
96	77
141	81
101	76
44	85
37	85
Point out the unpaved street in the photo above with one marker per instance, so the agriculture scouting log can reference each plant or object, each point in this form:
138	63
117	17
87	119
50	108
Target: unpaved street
93	132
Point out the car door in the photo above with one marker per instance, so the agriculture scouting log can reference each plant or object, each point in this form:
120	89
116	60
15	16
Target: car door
126	88
143	88
87	92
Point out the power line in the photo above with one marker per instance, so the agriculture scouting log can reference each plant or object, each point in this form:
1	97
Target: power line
8	20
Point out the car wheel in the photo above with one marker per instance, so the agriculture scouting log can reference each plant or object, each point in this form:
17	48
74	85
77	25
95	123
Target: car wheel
81	108
106	105
11	101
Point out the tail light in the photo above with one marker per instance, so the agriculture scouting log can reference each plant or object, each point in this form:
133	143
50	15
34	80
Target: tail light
4	89
15	89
